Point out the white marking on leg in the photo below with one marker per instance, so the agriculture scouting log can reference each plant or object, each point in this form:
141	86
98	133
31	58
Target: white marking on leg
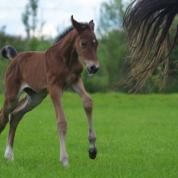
9	153
63	153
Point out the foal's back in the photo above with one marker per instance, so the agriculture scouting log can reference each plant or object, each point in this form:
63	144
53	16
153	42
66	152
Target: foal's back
28	68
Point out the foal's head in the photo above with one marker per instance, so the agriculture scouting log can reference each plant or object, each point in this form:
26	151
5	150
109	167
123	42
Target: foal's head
86	45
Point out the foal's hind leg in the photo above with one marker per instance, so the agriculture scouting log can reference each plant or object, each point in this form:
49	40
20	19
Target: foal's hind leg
13	125
87	103
24	106
11	98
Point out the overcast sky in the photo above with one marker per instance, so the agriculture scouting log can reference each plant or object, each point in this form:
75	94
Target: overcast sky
55	13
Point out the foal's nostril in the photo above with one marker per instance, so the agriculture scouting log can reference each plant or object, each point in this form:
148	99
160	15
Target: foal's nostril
93	69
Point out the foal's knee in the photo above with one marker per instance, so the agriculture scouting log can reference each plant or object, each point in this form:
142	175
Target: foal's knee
62	126
88	104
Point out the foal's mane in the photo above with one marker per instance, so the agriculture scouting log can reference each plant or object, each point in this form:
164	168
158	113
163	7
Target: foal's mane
63	34
68	30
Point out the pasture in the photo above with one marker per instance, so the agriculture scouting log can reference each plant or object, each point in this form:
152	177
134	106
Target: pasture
137	137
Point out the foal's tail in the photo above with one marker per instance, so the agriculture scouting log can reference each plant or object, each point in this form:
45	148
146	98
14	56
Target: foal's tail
8	52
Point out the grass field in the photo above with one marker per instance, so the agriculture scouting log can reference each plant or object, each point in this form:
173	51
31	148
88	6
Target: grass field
137	137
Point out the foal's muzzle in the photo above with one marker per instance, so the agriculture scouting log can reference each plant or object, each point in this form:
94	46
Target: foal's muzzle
92	69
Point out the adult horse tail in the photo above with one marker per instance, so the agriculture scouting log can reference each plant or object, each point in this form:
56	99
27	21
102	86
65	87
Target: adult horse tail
148	23
8	52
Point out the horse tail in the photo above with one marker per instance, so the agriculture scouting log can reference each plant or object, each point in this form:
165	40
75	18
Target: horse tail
8	52
148	23
150	19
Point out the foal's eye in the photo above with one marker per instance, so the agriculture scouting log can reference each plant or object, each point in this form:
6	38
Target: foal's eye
83	44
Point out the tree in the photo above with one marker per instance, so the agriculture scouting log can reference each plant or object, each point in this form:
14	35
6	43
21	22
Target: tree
111	15
113	43
25	20
34	9
29	18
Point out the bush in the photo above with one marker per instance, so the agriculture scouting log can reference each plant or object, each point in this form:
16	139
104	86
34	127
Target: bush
96	83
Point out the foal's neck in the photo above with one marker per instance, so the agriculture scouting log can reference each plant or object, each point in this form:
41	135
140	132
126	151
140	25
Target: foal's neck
66	45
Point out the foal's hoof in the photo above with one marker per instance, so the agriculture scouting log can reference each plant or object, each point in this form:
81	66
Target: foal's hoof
92	153
65	163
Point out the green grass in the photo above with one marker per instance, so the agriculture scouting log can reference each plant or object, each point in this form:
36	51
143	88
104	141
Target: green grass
137	137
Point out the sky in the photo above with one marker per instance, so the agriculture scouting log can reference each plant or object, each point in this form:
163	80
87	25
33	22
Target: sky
55	13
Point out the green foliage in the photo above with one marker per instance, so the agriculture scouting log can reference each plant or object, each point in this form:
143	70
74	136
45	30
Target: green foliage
99	82
35	44
113	44
114	50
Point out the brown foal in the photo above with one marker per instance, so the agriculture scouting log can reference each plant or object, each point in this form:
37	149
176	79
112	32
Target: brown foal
52	71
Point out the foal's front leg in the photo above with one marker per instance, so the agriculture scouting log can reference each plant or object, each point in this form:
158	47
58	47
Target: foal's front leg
56	93
87	103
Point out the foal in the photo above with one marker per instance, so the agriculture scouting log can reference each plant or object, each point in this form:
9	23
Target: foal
52	71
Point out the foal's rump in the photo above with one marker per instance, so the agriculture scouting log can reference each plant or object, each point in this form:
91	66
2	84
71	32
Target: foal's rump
33	69
28	68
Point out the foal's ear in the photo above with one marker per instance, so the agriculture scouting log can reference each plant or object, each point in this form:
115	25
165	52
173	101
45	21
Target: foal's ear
75	24
92	25
78	26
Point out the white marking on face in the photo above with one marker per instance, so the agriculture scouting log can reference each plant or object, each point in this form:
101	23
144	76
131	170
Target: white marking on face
94	41
90	63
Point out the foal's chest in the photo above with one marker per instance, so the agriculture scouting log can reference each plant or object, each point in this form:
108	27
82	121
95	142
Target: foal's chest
71	78
73	75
